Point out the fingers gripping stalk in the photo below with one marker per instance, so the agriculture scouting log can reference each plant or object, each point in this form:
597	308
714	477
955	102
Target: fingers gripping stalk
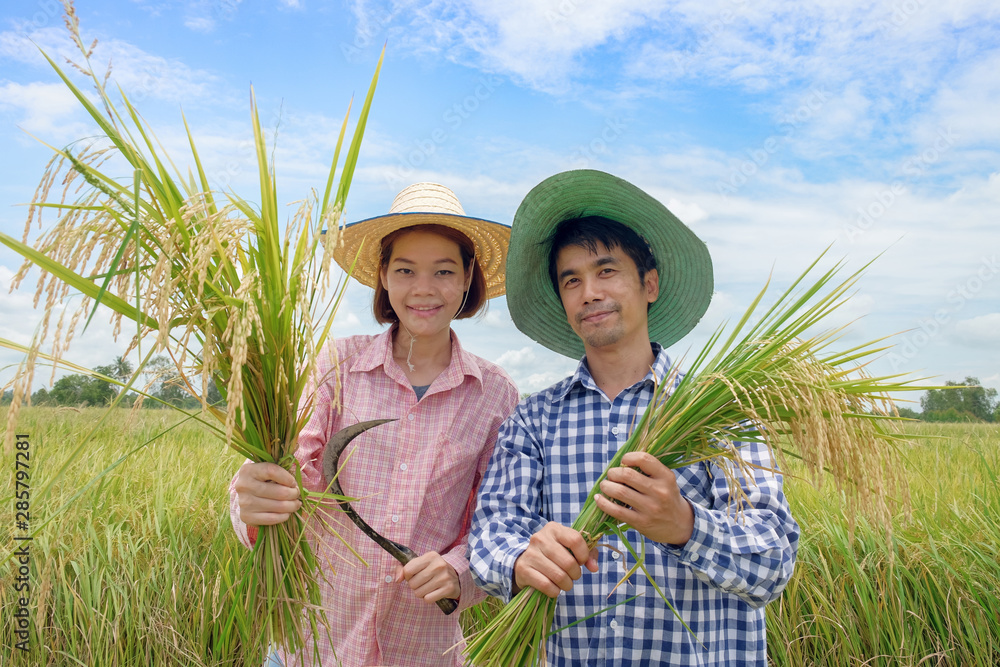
331	462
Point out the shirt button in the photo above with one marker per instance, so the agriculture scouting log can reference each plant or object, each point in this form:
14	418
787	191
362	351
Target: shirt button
614	624
410	417
388	580
395	518
615	430
615	555
403	467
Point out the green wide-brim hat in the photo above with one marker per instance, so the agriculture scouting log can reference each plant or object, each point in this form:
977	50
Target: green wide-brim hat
682	259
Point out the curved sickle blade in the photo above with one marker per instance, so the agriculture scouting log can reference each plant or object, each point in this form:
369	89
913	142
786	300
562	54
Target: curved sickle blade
336	446
331	462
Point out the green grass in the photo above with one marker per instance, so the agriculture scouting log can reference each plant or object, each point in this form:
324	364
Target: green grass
928	594
135	571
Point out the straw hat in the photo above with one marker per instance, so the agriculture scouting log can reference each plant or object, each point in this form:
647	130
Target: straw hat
683	262
424	204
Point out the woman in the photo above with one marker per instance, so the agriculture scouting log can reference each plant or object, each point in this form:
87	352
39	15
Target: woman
416	478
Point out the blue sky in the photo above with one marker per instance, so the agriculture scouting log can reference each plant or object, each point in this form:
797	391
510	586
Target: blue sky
773	129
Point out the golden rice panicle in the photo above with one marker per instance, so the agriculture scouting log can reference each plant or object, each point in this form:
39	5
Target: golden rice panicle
329	221
211	241
52	168
236	338
81	239
215	288
21	386
854	452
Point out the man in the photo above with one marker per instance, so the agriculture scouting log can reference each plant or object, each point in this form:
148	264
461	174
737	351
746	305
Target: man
598	267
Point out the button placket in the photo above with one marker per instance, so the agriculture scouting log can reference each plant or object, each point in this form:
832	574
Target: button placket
400	488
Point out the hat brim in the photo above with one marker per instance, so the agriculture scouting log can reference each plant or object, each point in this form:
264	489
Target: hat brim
362	239
683	261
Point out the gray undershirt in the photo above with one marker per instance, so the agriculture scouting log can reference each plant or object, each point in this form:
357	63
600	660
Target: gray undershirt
420	391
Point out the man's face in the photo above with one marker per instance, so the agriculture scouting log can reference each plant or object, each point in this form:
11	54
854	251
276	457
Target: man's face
604	299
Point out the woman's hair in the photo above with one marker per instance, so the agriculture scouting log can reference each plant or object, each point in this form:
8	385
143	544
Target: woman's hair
475	300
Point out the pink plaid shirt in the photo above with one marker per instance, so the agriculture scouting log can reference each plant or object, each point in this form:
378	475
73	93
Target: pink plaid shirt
416	480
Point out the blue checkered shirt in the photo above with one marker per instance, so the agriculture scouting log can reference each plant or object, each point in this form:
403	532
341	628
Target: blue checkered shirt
550	453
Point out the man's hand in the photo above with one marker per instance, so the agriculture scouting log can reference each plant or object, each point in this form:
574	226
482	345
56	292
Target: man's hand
552	561
652	502
267	494
430	577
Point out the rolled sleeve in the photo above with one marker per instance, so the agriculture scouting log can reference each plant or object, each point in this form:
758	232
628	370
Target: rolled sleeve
247	535
747	551
471	593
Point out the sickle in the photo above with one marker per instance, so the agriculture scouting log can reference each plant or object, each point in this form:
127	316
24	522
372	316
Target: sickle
331	463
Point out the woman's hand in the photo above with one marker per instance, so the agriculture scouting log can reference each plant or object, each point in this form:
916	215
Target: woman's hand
267	494
430	577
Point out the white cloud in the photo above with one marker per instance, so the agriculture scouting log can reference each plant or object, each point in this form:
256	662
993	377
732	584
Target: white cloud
982	331
21	319
53	98
200	24
141	74
346	321
876	63
538	381
45	110
534	368
969	102
17	308
539	42
517	358
688	213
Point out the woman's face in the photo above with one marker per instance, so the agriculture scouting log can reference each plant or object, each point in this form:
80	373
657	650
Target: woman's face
425	281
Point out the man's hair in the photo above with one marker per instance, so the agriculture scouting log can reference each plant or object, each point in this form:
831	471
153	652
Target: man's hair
588	232
474	302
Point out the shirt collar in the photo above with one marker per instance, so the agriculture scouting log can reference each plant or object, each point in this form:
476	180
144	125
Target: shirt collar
583	378
379	353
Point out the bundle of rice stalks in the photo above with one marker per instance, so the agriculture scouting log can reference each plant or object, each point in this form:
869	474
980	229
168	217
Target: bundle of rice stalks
773	382
209	279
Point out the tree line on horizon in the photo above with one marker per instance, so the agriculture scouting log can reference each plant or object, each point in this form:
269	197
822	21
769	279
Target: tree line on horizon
81	390
965	401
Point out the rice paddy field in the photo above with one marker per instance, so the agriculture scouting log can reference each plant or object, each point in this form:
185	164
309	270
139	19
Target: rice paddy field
135	569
